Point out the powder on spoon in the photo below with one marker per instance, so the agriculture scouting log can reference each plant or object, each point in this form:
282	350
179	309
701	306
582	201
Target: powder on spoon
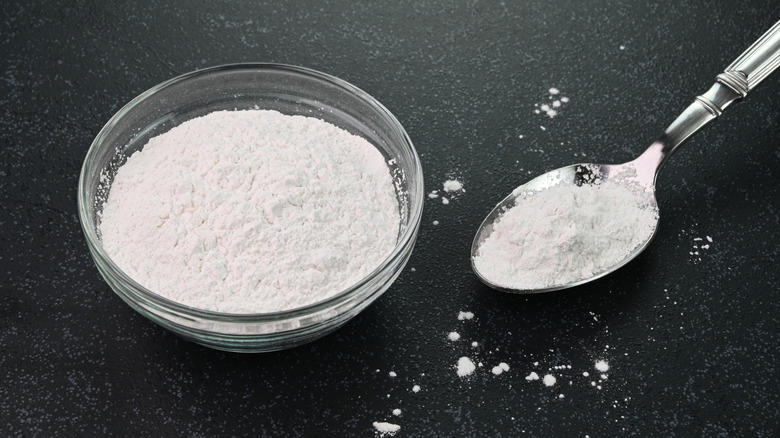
251	211
565	233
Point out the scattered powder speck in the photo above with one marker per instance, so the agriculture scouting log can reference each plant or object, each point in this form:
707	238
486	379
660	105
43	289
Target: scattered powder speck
416	388
532	376
622	47
445	201
453	185
549	380
384	428
586	374
465	367
392	374
453	336
396	412
602	366
434	194
551	109
474	344
500	368
436	222
465	315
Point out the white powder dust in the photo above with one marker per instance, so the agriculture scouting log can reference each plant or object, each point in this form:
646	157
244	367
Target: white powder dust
453	336
416	388
565	233
251	211
384	428
602	366
453	185
531	377
396	412
500	368
465	315
465	367
549	380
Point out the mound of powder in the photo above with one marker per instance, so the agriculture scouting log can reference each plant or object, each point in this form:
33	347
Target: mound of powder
565	233
251	211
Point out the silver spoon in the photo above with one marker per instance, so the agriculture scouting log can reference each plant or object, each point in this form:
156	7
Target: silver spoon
739	78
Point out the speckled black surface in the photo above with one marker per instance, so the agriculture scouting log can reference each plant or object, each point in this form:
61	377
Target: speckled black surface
692	339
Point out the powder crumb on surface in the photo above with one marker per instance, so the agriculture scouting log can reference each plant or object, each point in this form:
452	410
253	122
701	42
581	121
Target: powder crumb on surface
453	185
602	366
531	377
500	368
465	367
392	374
435	222
553	91
416	388
475	344
561	396
444	200
384	428
434	194
465	315
549	380
396	412
453	336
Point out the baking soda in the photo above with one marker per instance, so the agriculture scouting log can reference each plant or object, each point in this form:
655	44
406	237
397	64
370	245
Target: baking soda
384	428
251	211
465	367
565	233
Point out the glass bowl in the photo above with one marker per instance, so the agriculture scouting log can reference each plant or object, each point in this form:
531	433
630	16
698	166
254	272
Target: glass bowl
289	90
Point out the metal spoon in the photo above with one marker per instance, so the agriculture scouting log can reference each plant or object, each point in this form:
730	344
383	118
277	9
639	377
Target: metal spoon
739	78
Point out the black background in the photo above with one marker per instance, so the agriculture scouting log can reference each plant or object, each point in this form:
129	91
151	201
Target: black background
692	339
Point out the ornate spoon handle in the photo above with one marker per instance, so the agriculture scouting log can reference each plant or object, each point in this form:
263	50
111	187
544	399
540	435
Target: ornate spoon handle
739	78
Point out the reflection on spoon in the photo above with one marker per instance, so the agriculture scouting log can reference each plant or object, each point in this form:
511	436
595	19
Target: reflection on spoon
514	254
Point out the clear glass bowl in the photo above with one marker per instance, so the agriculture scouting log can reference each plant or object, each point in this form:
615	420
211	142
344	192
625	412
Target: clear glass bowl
289	90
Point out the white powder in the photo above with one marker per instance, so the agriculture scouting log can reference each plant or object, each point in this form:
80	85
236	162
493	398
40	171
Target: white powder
396	412
251	211
602	366
465	315
549	380
531	377
452	185
384	428
453	336
416	388
565	233
392	374
500	368
465	367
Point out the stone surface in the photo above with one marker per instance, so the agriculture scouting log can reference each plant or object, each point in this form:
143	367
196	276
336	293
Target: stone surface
691	339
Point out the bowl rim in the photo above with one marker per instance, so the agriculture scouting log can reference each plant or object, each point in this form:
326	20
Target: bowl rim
403	244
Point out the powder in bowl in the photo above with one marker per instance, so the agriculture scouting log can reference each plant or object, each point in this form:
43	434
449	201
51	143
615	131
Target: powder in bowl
251	212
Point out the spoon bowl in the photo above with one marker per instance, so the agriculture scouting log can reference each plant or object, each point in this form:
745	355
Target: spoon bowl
738	79
577	175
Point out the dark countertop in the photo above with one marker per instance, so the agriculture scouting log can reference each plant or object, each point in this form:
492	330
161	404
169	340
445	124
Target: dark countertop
692	339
